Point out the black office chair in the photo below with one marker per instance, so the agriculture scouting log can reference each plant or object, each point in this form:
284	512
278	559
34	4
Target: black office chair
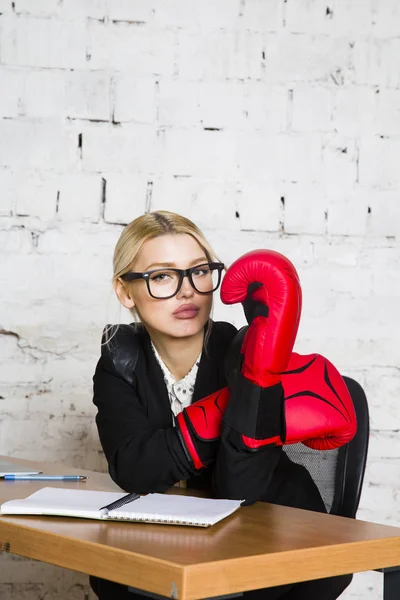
339	473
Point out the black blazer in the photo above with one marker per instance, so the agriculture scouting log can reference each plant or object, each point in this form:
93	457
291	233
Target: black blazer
143	450
134	419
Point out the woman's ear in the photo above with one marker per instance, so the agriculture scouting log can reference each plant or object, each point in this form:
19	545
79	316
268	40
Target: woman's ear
123	294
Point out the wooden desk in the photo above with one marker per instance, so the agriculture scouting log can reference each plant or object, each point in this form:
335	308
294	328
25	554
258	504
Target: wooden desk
258	546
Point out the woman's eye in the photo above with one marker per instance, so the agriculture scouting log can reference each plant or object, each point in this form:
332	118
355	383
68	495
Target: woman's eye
160	277
199	272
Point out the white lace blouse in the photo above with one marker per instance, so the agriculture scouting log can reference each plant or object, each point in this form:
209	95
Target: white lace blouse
180	392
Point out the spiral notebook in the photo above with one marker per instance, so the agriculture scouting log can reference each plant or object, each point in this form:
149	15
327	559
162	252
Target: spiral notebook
152	508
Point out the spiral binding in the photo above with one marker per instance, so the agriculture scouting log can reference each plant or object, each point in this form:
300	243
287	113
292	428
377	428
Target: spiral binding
158	520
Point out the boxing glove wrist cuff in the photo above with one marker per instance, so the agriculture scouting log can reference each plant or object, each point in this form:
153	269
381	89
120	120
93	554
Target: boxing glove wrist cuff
186	439
256	412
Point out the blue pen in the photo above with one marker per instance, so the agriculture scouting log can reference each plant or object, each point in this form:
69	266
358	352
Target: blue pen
45	477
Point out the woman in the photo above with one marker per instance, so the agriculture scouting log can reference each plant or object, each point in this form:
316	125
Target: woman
165	273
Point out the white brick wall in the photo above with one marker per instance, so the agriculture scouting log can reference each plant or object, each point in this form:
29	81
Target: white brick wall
271	123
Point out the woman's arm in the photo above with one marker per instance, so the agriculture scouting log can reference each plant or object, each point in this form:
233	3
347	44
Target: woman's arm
240	473
141	458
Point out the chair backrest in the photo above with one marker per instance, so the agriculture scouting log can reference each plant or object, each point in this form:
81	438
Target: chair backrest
339	473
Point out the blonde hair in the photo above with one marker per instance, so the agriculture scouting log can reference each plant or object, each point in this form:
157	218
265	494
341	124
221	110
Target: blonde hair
147	227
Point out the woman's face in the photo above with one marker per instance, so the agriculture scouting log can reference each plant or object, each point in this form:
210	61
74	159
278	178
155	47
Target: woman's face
186	313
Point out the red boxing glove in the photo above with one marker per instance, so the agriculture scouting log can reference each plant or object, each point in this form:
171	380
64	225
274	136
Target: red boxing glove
268	286
319	410
269	281
199	427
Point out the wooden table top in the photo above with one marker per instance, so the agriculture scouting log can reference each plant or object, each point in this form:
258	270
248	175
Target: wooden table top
258	546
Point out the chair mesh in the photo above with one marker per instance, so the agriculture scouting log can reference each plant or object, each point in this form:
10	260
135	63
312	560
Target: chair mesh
322	466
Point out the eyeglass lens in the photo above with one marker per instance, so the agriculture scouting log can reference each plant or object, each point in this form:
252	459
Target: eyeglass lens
165	282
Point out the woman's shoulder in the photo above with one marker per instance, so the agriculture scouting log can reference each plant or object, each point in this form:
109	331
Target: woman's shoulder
122	335
121	346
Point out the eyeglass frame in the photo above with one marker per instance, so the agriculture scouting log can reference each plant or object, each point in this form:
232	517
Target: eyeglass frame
134	276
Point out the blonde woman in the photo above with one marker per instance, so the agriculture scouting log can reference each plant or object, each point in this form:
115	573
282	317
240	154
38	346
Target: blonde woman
160	388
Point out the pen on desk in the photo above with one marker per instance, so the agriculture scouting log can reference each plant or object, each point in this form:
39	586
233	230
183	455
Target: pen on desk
45	477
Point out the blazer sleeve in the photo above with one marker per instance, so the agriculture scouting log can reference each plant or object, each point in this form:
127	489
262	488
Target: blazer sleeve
239	472
141	458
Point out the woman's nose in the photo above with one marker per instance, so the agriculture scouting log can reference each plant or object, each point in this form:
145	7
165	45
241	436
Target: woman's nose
186	288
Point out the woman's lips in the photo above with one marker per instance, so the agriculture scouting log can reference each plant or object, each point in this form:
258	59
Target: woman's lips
188	311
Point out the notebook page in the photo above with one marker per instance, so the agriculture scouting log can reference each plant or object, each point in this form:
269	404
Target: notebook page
176	509
62	502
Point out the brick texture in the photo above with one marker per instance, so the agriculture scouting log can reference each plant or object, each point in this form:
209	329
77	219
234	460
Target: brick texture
269	123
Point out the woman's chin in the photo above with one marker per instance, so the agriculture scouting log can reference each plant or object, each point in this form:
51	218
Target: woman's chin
187	327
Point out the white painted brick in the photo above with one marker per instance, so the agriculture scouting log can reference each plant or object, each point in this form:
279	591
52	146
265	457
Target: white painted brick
303	58
88	95
221	104
15	240
380	255
386	18
382	389
354	312
265	107
380	472
202	201
352	18
220	55
17	365
305	209
390	74
385	498
44	43
307	17
339	170
261	157
35	195
130	147
344	280
354	109
139	49
387	282
375	62
259	15
212	153
126	10
259	207
367	60
125	197
387	114
178	103
384	217
38	8
205	15
379	162
75	238
80	197
7	193
302	156
135	99
44	94
36	145
5	6
90	8
338	253
11	92
312	109
343	17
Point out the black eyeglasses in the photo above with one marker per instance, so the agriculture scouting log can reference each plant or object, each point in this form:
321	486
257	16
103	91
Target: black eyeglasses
166	283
